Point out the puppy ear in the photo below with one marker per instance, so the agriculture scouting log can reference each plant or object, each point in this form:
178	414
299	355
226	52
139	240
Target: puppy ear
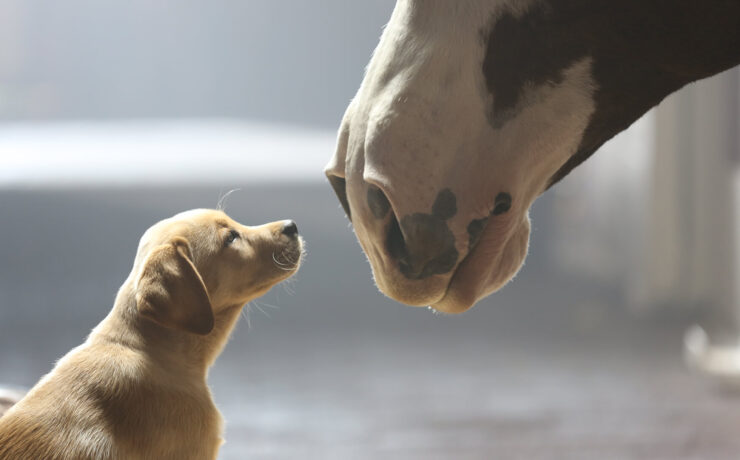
170	291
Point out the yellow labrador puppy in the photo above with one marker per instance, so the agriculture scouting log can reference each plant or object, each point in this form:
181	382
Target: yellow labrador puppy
136	389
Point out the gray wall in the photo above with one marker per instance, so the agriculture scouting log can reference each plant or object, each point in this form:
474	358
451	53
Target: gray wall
297	62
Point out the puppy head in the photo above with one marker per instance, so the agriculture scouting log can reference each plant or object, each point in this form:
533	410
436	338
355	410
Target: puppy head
194	265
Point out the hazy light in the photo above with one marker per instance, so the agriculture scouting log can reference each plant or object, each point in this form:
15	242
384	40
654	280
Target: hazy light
159	152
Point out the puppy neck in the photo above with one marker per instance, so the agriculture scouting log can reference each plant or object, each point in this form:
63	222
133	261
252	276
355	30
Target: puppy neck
175	351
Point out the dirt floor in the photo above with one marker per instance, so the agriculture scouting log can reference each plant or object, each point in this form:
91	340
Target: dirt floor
551	367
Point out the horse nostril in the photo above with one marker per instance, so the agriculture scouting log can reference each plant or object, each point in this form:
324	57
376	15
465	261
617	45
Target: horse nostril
377	202
428	247
394	240
290	228
339	184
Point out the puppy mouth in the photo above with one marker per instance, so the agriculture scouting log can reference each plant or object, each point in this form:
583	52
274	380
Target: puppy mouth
289	257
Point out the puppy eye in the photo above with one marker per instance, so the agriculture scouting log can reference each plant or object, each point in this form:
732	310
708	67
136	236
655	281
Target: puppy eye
233	235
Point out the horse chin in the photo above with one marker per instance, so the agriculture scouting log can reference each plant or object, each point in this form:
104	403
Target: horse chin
482	273
415	293
464	289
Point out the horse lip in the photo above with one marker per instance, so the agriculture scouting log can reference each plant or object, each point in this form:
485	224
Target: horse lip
455	277
437	306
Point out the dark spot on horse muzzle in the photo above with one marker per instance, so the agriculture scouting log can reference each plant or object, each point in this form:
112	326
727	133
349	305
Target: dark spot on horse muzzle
475	230
423	244
445	206
378	202
502	204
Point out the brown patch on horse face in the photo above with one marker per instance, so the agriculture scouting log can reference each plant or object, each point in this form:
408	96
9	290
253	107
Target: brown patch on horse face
519	55
640	51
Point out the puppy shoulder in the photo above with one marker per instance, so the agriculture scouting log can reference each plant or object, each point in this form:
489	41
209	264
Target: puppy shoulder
25	433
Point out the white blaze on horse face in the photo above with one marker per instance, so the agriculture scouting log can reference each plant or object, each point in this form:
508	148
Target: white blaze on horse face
424	163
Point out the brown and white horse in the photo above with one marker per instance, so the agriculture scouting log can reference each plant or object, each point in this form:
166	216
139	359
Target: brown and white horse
469	110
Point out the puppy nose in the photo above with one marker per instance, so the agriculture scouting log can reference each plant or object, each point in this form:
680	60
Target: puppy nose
290	228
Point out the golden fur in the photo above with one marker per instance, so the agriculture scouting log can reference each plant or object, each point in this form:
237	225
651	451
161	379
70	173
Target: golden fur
136	389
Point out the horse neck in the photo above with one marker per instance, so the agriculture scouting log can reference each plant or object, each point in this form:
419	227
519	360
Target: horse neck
641	51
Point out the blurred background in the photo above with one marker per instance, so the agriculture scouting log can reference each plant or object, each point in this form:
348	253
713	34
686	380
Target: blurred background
115	114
